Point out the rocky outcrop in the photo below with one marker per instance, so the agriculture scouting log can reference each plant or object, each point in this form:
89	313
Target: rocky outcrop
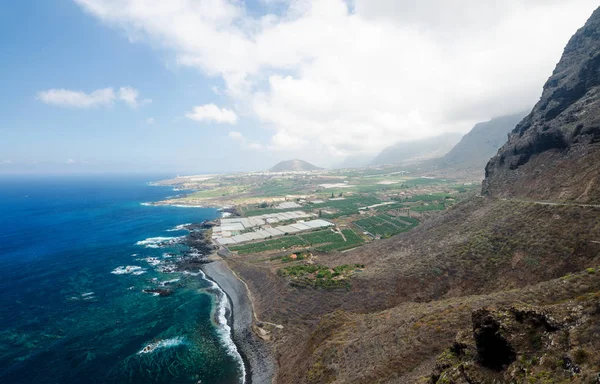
554	153
524	345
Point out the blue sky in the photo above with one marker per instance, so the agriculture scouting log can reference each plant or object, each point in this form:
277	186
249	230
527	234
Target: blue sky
241	85
53	44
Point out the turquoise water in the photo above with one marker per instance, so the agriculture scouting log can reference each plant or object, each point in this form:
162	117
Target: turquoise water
68	316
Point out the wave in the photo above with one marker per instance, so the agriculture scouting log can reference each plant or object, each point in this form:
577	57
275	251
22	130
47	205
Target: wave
166	343
223	327
158	242
168	282
153	261
181	227
128	269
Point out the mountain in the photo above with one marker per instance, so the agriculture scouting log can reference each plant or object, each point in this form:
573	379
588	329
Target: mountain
479	145
554	153
293	166
493	290
417	150
357	161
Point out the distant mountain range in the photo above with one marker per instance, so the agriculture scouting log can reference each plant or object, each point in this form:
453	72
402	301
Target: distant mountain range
478	146
293	166
418	150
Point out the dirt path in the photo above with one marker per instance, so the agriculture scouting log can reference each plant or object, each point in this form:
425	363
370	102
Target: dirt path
552	203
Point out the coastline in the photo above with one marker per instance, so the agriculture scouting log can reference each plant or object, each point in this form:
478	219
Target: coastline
260	367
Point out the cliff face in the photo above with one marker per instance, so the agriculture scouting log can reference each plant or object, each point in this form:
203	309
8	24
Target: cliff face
483	141
554	153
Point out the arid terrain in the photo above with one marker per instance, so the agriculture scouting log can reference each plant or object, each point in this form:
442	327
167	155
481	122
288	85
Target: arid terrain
501	287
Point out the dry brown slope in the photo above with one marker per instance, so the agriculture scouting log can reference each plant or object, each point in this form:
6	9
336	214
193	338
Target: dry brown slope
419	288
480	247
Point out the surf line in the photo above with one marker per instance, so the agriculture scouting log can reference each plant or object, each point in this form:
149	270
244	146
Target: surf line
224	329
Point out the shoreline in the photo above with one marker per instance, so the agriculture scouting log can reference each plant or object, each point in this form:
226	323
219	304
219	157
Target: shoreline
260	367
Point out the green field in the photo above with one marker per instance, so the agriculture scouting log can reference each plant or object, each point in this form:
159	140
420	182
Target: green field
352	241
385	225
325	241
348	206
269	245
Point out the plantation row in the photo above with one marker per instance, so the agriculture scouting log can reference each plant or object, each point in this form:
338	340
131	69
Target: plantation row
386	225
331	241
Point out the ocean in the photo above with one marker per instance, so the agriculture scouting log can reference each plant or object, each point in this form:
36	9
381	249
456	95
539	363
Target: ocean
76	253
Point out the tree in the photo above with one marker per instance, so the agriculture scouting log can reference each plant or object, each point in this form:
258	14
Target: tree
332	196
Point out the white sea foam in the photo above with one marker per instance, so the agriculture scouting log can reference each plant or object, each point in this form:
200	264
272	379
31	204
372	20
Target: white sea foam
224	329
137	273
165	283
157	242
125	270
166	343
153	261
87	294
181	227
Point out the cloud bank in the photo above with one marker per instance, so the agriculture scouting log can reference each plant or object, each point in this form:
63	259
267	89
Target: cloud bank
332	78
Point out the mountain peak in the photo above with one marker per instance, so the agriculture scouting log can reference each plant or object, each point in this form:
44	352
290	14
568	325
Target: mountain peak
295	165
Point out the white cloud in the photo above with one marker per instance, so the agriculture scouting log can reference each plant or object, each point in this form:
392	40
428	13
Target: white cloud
70	161
150	121
77	99
130	96
98	98
6	162
244	143
211	112
333	80
237	136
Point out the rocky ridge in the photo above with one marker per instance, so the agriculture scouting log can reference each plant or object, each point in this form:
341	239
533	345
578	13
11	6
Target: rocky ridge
554	152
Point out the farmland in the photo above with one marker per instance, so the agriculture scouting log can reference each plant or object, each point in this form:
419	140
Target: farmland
385	225
325	241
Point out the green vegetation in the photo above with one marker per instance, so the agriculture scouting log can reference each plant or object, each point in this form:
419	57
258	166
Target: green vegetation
269	245
352	241
348	206
325	241
386	225
319	275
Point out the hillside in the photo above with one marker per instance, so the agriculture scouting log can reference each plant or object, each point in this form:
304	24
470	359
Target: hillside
293	166
417	150
492	290
479	145
554	152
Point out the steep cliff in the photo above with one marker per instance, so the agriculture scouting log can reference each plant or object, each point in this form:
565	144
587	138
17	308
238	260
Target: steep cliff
554	153
479	145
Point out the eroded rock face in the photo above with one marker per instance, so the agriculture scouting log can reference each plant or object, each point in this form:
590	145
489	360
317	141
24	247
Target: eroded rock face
493	350
524	345
554	152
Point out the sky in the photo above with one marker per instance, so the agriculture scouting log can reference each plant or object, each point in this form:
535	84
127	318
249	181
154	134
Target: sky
196	86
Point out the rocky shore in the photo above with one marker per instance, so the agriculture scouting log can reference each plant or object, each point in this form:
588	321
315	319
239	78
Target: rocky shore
260	367
256	354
